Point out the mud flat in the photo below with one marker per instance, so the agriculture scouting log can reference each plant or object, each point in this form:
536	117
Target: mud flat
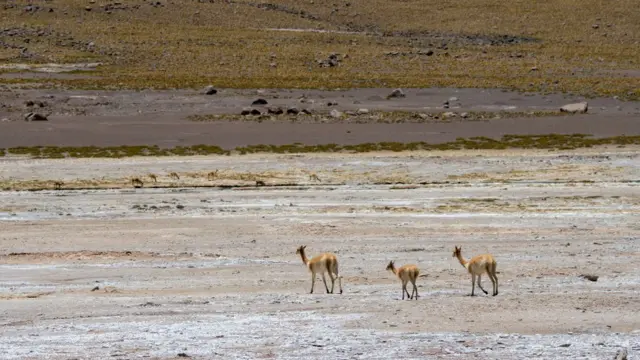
175	271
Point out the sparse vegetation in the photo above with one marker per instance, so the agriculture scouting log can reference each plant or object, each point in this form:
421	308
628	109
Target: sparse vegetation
559	46
386	117
550	141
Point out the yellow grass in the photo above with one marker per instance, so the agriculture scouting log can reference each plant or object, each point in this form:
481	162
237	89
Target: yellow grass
185	43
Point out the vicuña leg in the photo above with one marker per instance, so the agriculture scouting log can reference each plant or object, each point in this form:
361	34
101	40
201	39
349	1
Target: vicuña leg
415	288
480	286
494	279
324	280
333	281
313	281
473	285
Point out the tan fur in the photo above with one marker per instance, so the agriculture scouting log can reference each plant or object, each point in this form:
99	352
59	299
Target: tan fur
406	273
319	264
58	185
174	175
153	177
477	266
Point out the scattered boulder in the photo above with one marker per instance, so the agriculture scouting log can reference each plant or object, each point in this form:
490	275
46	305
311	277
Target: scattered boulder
305	111
464	115
275	110
38	103
590	277
210	90
336	114
577	108
332	103
259	102
362	111
35	117
449	114
250	111
453	99
331	61
397	93
293	110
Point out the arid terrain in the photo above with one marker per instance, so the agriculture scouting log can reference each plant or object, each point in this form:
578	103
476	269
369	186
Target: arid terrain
169	272
161	161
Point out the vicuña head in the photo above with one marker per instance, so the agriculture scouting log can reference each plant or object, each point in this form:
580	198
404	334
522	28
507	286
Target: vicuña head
477	266
319	264
406	273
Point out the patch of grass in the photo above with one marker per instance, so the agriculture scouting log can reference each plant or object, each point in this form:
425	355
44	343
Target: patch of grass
523	45
552	141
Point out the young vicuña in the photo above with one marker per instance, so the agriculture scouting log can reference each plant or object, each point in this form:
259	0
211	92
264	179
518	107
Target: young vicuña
477	266
406	273
320	264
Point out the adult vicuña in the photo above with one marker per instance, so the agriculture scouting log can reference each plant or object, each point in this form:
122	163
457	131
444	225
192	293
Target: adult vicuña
477	266
406	273
319	264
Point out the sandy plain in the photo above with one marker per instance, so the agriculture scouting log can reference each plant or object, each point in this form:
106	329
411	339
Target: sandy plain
211	272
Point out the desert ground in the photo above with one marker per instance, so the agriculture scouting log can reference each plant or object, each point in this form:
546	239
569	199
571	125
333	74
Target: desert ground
176	153
179	271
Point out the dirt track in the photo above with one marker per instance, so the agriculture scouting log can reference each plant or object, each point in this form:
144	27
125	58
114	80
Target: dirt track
103	118
213	273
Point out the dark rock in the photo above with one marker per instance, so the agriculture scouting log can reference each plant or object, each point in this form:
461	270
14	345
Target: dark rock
260	102
35	117
590	277
293	110
210	90
397	93
275	110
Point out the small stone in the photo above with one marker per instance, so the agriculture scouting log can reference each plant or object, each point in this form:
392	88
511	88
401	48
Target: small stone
449	114
275	110
35	117
423	116
87	8
590	277
452	99
464	115
210	90
179	206
397	93
336	114
565	345
260	102
362	111
575	108
332	103
246	111
293	110
430	52
305	111
595	26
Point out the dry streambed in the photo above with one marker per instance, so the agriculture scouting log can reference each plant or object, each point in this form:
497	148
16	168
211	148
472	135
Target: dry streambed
204	272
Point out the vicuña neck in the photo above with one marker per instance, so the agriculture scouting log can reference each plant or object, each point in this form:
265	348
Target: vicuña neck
304	257
463	262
